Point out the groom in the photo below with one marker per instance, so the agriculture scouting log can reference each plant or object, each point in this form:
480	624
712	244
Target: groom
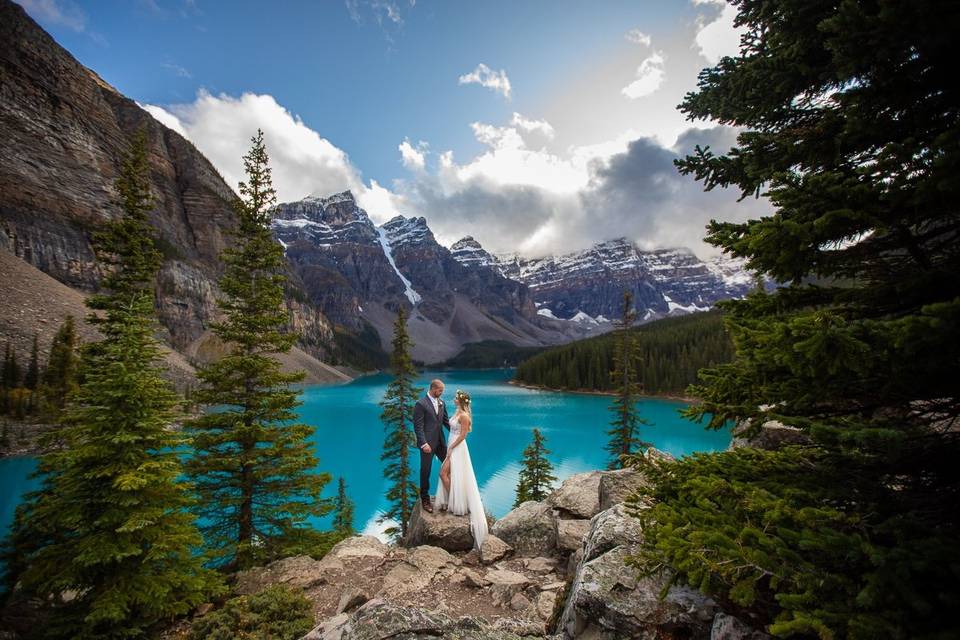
428	414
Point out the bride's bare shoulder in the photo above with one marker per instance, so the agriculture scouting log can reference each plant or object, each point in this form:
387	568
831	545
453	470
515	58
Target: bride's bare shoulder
466	420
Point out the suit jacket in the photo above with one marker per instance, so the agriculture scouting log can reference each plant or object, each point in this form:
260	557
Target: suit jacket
427	424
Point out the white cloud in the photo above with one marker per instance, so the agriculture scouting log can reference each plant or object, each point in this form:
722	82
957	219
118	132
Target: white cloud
531	125
718	37
221	127
413	157
59	12
487	77
650	75
637	37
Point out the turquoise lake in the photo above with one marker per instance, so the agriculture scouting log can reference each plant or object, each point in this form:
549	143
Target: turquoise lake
349	438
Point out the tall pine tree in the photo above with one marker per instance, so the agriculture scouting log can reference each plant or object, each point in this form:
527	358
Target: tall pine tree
850	116
60	374
32	377
536	471
253	465
343	510
625	424
111	522
399	439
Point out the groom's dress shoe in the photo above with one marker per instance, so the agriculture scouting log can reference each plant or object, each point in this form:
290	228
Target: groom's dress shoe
426	505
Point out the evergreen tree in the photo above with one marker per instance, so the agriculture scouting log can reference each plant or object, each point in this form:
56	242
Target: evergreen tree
399	439
253	466
110	522
343	510
11	370
626	421
60	375
849	117
536	472
32	377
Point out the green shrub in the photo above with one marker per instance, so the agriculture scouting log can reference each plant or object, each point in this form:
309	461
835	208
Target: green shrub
276	613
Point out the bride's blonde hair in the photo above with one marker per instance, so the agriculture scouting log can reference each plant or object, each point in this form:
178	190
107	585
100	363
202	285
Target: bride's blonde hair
464	399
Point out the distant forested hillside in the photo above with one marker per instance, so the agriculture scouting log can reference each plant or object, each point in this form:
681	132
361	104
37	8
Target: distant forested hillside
672	351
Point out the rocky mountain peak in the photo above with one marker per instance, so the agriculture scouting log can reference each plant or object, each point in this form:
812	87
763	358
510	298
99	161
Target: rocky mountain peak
468	252
401	230
337	210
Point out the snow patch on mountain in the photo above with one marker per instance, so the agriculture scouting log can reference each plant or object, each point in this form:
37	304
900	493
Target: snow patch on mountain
412	295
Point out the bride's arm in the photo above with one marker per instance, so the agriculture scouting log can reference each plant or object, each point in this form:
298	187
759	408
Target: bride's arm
465	422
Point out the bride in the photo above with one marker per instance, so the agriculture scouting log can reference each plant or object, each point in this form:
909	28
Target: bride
458	492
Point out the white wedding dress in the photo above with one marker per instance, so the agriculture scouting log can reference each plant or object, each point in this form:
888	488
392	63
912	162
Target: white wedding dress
464	496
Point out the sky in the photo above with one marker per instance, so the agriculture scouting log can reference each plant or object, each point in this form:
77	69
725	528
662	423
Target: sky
537	127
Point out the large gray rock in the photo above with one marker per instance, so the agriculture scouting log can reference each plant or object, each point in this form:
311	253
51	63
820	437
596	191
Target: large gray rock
610	599
378	619
358	546
530	529
772	435
616	485
727	627
440	529
570	534
418	570
609	529
505	584
578	496
493	549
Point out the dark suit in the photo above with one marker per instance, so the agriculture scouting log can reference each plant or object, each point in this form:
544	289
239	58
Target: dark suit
427	426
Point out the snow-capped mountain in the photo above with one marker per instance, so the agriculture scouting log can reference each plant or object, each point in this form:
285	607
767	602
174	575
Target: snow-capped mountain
358	272
587	286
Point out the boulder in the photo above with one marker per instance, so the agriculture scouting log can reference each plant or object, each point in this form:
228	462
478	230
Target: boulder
530	528
430	558
539	564
609	598
616	485
473	579
493	549
359	546
438	529
546	602
351	600
570	534
772	435
378	619
578	496
504	584
727	627
609	529
519	602
295	571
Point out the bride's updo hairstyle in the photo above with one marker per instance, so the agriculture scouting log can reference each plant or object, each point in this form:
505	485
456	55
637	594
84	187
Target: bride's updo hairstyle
464	399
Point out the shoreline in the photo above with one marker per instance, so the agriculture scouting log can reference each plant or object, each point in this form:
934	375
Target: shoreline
587	392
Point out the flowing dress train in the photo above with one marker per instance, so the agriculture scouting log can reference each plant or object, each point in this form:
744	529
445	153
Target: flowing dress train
464	494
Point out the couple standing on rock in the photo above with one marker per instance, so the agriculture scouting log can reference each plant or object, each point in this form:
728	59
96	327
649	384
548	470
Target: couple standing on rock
458	492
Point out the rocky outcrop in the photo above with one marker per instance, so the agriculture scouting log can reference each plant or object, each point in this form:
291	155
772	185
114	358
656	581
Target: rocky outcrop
378	619
772	435
66	132
610	599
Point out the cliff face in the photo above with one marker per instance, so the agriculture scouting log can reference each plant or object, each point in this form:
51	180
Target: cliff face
65	132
